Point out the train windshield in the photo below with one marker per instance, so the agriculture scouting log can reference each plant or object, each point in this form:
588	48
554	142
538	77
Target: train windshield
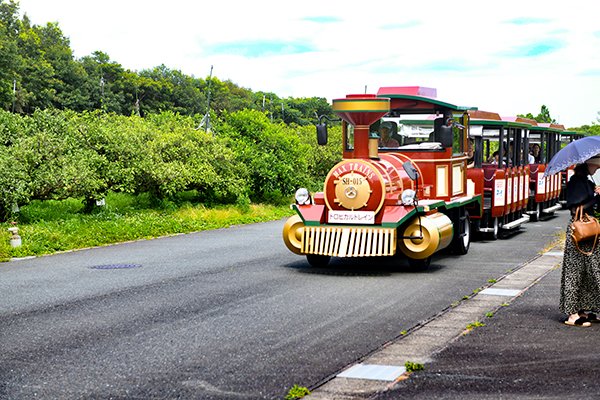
420	132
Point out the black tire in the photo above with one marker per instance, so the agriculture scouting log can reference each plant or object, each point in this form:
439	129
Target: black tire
496	225
316	260
536	213
476	230
462	237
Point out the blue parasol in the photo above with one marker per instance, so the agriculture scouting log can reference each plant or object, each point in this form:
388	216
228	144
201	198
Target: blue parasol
575	152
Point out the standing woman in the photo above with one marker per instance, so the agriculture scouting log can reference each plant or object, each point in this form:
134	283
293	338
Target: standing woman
580	283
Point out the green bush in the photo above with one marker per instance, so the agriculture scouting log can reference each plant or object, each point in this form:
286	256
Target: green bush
14	187
320	159
55	154
273	154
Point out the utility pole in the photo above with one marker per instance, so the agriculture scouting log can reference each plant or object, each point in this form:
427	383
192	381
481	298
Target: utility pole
14	94
206	119
102	82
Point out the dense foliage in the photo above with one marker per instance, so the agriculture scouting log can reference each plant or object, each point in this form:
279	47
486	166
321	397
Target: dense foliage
38	71
544	116
593	129
82	128
54	154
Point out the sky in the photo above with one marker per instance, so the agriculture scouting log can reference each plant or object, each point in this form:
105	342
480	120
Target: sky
509	57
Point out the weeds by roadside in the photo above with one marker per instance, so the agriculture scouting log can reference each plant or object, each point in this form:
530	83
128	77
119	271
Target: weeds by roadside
51	226
297	392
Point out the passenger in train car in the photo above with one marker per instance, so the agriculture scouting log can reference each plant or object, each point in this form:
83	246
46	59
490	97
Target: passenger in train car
510	156
385	136
580	282
530	158
535	152
505	157
471	153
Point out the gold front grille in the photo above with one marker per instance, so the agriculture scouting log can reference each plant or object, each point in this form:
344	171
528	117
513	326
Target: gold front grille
348	241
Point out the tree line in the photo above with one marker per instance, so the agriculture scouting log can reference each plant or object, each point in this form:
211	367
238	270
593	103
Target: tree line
83	127
38	71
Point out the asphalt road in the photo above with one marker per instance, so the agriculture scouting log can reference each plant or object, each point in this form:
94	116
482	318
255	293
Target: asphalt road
224	314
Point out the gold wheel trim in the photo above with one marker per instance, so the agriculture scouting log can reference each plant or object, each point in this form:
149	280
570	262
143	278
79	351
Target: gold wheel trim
293	229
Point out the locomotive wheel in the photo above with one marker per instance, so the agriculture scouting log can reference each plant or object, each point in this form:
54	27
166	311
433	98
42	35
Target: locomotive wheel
419	265
462	239
536	215
476	230
316	260
496	226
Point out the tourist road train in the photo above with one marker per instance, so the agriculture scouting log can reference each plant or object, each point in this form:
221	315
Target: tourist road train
420	175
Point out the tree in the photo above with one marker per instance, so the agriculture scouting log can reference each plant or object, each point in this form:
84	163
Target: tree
9	58
37	76
164	89
105	83
543	116
69	76
37	60
273	154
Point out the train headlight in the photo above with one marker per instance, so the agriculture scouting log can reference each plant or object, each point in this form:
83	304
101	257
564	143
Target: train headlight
408	197
302	196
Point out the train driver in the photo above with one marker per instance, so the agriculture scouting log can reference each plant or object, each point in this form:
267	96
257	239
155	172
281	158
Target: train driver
385	136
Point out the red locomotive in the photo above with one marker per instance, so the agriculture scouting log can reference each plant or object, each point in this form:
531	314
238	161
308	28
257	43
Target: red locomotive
394	193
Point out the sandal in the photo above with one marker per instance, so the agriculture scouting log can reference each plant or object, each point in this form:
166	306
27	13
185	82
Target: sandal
592	318
582	321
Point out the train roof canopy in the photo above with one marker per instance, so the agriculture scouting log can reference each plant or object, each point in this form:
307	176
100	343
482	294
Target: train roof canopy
416	100
484	115
545	126
522	120
492	119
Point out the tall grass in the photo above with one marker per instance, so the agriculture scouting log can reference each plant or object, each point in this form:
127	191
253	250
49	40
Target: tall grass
51	226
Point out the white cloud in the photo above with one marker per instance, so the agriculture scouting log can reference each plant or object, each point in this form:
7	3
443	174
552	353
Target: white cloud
510	57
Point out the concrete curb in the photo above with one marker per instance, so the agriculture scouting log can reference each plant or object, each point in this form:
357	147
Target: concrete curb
381	370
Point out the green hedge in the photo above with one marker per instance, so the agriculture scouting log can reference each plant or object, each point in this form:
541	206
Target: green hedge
63	154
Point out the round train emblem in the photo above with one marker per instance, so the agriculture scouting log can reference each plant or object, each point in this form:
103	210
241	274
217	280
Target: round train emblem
354	185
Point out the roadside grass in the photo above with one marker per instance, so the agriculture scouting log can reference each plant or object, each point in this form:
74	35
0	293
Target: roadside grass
297	392
51	226
413	366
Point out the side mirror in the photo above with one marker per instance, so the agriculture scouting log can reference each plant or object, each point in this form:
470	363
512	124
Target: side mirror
322	134
445	136
411	171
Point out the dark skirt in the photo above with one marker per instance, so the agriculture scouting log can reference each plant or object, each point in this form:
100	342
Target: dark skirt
580	282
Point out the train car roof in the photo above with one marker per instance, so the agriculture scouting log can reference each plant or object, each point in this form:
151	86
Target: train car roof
544	126
416	100
492	119
573	133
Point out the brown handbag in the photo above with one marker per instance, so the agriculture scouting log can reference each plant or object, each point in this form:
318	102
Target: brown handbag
584	227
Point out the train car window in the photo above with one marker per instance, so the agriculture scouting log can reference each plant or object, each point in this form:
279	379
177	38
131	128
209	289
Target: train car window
411	133
457	140
457	136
